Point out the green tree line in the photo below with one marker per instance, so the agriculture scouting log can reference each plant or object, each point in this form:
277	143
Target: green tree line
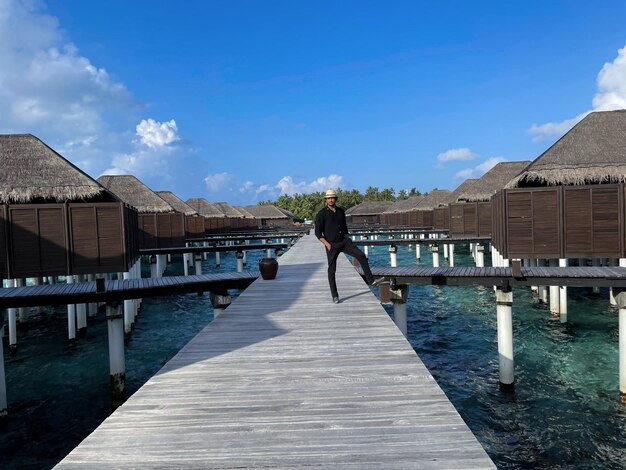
306	206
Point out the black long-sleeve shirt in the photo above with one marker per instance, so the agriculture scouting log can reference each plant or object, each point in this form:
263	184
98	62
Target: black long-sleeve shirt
331	225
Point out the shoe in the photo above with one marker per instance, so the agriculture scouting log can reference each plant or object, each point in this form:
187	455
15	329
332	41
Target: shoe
377	281
336	300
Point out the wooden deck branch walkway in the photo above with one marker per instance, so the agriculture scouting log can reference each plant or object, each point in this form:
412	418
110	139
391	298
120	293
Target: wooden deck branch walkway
499	276
284	378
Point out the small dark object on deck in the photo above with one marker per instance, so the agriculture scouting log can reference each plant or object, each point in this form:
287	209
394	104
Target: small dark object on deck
100	287
268	268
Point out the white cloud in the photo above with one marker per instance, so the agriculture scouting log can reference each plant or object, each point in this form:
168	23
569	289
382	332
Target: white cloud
219	181
611	95
288	186
46	85
458	154
153	150
480	169
157	134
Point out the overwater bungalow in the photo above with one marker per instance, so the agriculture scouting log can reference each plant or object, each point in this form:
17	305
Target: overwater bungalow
194	223
569	202
236	218
269	216
367	212
214	219
160	226
441	214
397	213
55	219
471	212
422	214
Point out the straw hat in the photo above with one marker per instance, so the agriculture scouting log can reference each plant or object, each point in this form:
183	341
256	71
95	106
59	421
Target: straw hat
330	193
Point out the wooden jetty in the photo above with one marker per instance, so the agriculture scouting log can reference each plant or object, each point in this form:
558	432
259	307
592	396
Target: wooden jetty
284	378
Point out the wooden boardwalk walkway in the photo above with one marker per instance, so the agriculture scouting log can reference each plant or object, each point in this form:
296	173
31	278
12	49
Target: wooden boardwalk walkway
286	379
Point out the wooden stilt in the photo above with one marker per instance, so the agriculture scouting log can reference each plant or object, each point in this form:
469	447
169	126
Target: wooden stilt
398	298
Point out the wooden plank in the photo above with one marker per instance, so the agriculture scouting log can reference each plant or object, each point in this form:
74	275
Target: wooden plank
284	378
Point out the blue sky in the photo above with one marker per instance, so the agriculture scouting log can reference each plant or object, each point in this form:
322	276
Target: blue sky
241	101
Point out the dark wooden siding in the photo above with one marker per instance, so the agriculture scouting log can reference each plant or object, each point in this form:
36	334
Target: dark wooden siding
194	226
4	249
533	220
441	218
97	238
592	221
147	231
38	240
484	218
170	230
456	219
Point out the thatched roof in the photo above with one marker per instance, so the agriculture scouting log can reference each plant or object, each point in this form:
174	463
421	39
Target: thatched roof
433	199
592	152
133	192
463	187
266	212
493	181
290	214
370	208
177	203
404	205
32	170
245	213
204	207
228	210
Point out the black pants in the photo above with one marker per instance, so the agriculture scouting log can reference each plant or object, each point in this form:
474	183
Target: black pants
345	246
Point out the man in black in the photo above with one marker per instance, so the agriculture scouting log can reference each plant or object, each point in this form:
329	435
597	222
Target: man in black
332	231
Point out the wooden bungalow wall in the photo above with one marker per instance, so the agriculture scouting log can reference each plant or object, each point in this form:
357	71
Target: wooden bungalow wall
471	219
194	226
364	219
61	239
441	218
161	230
561	222
4	265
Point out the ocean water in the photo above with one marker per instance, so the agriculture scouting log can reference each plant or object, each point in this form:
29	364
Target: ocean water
565	412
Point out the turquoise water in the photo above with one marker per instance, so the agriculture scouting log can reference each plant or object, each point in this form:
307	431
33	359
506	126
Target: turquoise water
565	412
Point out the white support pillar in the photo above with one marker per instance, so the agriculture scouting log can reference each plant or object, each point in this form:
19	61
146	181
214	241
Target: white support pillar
612	262
445	251
218	261
542	291
479	255
554	292
239	257
435	250
12	320
269	253
393	256
205	255
185	264
117	365
504	308
71	317
21	312
563	295
81	312
92	308
495	255
532	262
198	260
38	281
245	253
398	298
160	265
451	255
595	262
128	311
4	404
